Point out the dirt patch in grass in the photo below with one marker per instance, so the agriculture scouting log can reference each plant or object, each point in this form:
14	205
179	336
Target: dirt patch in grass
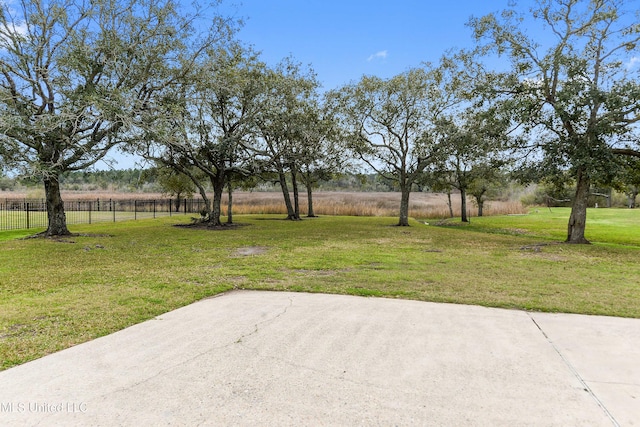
14	330
537	247
516	231
536	250
250	251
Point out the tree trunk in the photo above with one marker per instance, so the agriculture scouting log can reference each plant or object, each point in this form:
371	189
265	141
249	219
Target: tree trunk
449	204
632	195
479	198
217	183
404	205
230	201
463	205
57	220
296	194
206	213
578	218
285	193
310	212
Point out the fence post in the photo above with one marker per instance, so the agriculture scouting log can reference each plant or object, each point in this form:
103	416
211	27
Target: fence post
27	208
154	208
113	209
135	209
90	203
170	203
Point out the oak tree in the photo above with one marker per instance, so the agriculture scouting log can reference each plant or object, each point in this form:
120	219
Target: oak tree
76	77
287	128
473	141
390	123
575	86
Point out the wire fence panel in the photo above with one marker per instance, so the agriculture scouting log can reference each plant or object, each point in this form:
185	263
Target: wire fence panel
32	213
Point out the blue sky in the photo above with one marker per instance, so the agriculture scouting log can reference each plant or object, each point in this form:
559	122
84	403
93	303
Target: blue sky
342	40
345	39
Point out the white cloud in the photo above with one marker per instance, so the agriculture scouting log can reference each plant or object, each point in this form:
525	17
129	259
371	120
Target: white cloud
633	62
378	55
20	28
15	23
13	32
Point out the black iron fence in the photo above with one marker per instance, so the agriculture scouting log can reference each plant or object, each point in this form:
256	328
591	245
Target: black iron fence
32	213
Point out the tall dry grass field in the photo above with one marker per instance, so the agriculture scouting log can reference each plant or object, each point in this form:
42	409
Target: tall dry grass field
421	205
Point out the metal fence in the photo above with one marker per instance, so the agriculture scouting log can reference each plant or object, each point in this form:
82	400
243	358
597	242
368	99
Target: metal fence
32	213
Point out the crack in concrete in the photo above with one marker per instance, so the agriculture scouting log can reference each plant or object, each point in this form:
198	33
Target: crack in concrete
322	372
575	373
198	355
292	363
256	326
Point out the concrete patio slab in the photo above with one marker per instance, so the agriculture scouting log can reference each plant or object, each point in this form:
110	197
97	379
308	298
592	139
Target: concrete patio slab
269	358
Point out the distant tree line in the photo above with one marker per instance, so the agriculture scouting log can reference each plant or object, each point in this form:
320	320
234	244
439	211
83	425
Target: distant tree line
165	180
143	77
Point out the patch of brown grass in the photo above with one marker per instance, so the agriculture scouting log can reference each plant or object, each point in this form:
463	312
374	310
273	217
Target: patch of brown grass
421	205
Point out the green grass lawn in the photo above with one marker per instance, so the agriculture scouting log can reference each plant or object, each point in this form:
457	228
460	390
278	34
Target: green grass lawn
606	226
16	234
58	293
